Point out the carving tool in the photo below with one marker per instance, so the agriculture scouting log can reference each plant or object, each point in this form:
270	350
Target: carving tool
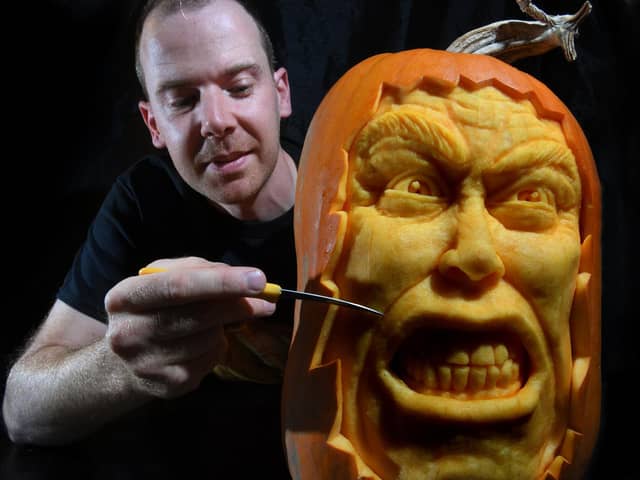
272	293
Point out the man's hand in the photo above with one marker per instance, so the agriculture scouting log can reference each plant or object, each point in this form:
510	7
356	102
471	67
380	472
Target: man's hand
168	327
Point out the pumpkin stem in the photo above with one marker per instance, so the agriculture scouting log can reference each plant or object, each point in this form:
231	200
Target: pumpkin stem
511	40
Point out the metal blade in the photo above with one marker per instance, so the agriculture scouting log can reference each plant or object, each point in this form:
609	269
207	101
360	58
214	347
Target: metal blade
325	299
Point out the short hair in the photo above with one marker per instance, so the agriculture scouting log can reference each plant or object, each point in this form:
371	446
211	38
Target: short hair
168	7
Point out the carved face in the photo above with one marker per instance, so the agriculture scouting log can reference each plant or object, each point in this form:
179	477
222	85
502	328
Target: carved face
463	229
459	217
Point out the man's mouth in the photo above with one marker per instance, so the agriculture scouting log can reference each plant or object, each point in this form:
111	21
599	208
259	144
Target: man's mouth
222	159
229	164
462	365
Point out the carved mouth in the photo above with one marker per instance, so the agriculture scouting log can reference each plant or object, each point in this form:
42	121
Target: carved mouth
470	373
461	365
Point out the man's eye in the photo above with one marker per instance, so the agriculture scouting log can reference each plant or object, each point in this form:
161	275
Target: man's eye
179	103
240	90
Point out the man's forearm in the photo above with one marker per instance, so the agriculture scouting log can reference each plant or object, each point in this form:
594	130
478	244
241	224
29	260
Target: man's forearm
55	395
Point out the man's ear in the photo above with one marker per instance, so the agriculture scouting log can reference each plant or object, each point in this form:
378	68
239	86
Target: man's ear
150	121
281	78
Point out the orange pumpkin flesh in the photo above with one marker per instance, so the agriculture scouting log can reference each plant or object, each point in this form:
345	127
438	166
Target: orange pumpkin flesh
316	419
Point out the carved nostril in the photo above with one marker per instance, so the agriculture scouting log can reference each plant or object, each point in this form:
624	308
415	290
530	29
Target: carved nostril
471	266
454	273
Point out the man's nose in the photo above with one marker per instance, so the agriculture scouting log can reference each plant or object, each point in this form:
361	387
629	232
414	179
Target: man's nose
218	119
472	258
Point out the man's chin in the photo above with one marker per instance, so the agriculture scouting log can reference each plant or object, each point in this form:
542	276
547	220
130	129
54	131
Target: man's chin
235	196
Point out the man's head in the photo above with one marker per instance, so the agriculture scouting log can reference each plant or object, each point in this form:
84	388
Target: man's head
168	7
215	102
457	198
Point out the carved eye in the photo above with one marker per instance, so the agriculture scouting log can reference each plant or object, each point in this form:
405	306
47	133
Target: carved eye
529	195
535	195
532	207
417	185
415	194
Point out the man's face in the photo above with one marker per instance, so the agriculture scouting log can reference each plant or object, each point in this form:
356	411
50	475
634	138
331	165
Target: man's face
213	101
463	228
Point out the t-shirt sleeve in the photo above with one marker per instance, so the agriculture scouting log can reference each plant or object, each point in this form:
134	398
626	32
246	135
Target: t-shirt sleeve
108	255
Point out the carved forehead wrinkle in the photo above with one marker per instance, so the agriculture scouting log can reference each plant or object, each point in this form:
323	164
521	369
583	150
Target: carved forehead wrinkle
489	117
521	140
456	121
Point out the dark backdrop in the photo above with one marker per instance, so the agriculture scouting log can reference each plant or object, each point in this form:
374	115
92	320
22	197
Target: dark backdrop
80	127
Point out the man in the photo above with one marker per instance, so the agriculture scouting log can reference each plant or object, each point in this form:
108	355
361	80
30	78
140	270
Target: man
216	216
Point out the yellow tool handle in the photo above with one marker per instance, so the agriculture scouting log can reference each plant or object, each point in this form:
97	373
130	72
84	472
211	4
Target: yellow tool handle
147	270
271	292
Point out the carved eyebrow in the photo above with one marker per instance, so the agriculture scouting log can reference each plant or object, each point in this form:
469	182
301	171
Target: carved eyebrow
537	154
428	131
542	161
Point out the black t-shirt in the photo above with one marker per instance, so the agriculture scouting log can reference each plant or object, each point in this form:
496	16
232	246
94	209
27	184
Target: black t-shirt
228	427
151	213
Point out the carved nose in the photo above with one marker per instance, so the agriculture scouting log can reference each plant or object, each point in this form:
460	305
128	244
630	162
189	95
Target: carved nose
473	258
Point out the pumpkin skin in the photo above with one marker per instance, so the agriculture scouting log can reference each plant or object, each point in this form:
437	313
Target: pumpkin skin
321	435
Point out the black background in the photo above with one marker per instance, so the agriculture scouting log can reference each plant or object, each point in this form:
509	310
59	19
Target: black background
76	126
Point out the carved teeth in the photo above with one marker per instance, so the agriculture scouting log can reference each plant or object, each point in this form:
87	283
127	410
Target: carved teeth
467	369
483	355
477	378
493	373
444	378
459	357
501	354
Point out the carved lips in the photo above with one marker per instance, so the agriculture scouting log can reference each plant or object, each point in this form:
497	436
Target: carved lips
474	368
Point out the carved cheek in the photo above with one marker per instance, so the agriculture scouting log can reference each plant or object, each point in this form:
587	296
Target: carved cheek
543	267
387	255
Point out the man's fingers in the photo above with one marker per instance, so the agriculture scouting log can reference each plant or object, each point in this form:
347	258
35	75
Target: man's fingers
182	263
181	321
180	286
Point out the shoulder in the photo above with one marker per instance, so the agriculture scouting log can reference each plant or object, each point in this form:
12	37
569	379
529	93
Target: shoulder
151	183
151	171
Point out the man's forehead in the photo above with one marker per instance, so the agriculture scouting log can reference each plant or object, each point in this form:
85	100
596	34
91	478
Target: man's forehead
216	19
204	41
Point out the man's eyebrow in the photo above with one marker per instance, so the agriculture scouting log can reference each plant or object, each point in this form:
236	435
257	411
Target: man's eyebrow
251	67
171	84
167	85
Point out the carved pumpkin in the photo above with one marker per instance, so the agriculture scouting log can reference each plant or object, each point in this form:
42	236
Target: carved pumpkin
459	196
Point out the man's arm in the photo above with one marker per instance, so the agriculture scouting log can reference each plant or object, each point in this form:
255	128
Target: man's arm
164	335
67	383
